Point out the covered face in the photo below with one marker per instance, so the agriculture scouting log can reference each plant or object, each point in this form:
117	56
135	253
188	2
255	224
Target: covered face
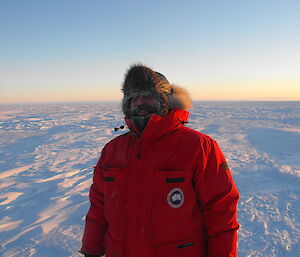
148	92
141	109
143	105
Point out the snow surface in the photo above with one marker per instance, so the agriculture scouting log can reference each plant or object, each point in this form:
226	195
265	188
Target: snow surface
47	153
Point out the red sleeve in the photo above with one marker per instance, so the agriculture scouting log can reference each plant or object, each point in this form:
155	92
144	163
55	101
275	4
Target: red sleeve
218	197
95	223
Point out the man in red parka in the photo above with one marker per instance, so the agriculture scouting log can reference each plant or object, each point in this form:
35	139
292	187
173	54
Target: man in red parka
161	189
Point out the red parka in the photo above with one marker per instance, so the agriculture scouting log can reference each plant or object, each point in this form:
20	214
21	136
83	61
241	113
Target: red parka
165	193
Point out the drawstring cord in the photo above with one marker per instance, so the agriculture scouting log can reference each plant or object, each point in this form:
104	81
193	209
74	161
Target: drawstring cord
182	122
121	127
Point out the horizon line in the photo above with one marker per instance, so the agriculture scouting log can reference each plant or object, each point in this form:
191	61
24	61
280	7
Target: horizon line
120	101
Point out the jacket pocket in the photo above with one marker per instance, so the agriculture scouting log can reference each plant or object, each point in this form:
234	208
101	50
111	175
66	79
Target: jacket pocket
191	247
114	180
176	211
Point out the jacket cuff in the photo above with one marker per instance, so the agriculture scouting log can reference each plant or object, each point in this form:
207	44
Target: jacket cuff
89	255
91	252
223	245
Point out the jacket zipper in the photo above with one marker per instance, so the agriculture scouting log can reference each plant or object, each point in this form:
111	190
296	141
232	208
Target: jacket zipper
125	217
139	155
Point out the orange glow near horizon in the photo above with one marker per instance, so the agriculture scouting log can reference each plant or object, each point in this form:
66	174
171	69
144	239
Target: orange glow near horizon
265	91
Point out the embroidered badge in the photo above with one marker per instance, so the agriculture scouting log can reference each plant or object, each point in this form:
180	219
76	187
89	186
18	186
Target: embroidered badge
175	198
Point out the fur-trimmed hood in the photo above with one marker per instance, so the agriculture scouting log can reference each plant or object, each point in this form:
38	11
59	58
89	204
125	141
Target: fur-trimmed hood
141	80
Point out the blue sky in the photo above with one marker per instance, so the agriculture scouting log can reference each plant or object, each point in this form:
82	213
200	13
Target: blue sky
80	50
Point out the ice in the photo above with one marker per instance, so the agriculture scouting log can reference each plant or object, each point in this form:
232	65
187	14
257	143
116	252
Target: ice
48	152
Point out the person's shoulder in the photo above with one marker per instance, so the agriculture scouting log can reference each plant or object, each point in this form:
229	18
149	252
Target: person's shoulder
121	139
194	134
194	137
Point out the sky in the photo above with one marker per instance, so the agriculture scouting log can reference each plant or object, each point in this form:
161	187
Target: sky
69	51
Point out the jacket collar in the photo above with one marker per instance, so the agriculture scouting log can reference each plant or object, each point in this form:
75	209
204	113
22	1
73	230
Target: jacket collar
158	126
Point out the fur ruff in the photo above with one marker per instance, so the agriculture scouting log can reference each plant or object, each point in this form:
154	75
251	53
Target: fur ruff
140	80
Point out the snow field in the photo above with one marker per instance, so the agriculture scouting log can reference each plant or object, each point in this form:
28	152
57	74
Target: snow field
48	152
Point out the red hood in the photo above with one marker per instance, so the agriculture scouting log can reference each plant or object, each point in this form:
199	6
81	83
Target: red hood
158	126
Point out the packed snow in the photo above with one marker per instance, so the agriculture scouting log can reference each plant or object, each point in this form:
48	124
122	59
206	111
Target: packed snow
48	152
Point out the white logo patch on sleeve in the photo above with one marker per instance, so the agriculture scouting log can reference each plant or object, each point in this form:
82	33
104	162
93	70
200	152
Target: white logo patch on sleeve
175	198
